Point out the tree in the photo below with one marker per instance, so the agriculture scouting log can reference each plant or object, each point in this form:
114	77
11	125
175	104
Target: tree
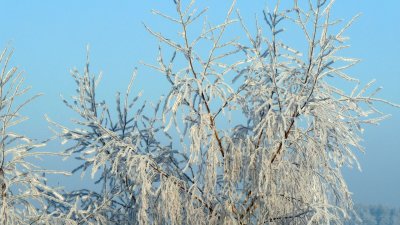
184	160
278	164
23	189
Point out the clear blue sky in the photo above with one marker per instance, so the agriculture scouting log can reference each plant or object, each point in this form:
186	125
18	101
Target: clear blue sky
49	38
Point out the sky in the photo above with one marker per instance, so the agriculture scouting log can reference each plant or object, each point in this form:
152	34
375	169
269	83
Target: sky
49	39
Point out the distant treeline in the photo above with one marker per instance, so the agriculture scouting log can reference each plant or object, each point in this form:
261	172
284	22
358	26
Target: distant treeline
376	215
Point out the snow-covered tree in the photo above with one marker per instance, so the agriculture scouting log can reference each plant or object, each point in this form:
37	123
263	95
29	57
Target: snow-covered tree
252	131
23	190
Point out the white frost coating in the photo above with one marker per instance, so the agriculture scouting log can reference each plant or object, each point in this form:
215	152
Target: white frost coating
170	206
145	191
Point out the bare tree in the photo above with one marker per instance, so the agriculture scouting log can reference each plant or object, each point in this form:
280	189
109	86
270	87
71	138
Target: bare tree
184	160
